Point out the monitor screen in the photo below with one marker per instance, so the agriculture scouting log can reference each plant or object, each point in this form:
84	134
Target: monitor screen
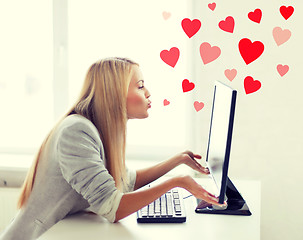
220	135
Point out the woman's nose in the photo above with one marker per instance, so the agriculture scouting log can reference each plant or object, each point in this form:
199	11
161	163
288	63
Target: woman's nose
147	94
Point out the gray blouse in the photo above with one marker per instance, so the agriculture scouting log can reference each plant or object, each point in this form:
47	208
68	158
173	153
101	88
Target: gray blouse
71	177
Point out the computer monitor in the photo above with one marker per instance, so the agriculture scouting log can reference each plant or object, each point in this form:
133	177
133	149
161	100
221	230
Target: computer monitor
218	153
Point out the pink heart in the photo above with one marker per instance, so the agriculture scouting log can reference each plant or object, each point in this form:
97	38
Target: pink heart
166	102
230	74
209	53
166	15
198	105
281	36
212	6
227	25
170	57
282	69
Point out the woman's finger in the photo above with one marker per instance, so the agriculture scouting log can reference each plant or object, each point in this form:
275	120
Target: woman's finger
202	169
192	155
213	200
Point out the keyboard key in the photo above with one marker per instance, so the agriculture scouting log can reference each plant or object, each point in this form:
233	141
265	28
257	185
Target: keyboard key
163	210
170	212
150	212
178	208
176	195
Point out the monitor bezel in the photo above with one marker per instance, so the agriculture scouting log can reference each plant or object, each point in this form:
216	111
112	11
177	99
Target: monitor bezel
224	177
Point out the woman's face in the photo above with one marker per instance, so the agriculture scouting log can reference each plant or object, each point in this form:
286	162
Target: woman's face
137	102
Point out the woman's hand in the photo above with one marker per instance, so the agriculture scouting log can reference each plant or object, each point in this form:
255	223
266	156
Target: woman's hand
189	159
147	175
197	190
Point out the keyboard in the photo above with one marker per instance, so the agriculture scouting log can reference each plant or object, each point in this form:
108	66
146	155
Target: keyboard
169	208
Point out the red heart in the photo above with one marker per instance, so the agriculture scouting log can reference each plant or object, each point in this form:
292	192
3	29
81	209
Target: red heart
251	85
187	85
227	25
250	51
190	27
286	12
170	57
198	105
256	15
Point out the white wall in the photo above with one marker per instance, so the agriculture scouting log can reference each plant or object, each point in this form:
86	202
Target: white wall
268	130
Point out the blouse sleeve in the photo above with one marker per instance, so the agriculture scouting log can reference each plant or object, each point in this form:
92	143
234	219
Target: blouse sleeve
83	168
131	181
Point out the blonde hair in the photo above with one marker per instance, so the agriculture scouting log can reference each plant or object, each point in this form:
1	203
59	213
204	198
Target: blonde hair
103	101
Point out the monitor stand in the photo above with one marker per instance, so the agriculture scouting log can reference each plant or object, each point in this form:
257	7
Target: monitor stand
236	205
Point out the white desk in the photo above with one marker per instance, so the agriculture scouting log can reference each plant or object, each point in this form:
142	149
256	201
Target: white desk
197	226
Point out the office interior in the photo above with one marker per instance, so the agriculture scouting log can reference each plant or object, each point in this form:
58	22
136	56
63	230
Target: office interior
47	46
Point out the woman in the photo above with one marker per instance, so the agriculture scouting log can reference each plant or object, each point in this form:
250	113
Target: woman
81	164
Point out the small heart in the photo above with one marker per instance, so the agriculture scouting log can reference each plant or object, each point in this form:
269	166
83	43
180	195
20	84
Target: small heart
228	24
209	53
212	6
250	51
255	16
230	74
282	69
166	102
190	27
171	56
198	105
166	15
286	12
187	85
281	36
251	85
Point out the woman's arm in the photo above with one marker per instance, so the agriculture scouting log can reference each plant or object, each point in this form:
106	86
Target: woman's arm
147	175
133	201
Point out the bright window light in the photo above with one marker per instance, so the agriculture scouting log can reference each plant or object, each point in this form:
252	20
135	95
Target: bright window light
26	97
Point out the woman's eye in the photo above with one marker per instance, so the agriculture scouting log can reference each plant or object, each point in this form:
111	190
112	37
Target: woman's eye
140	87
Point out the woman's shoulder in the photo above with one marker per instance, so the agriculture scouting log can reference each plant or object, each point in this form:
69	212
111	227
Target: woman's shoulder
76	118
76	122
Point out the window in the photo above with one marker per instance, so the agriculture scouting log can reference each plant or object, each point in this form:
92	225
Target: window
26	63
47	47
